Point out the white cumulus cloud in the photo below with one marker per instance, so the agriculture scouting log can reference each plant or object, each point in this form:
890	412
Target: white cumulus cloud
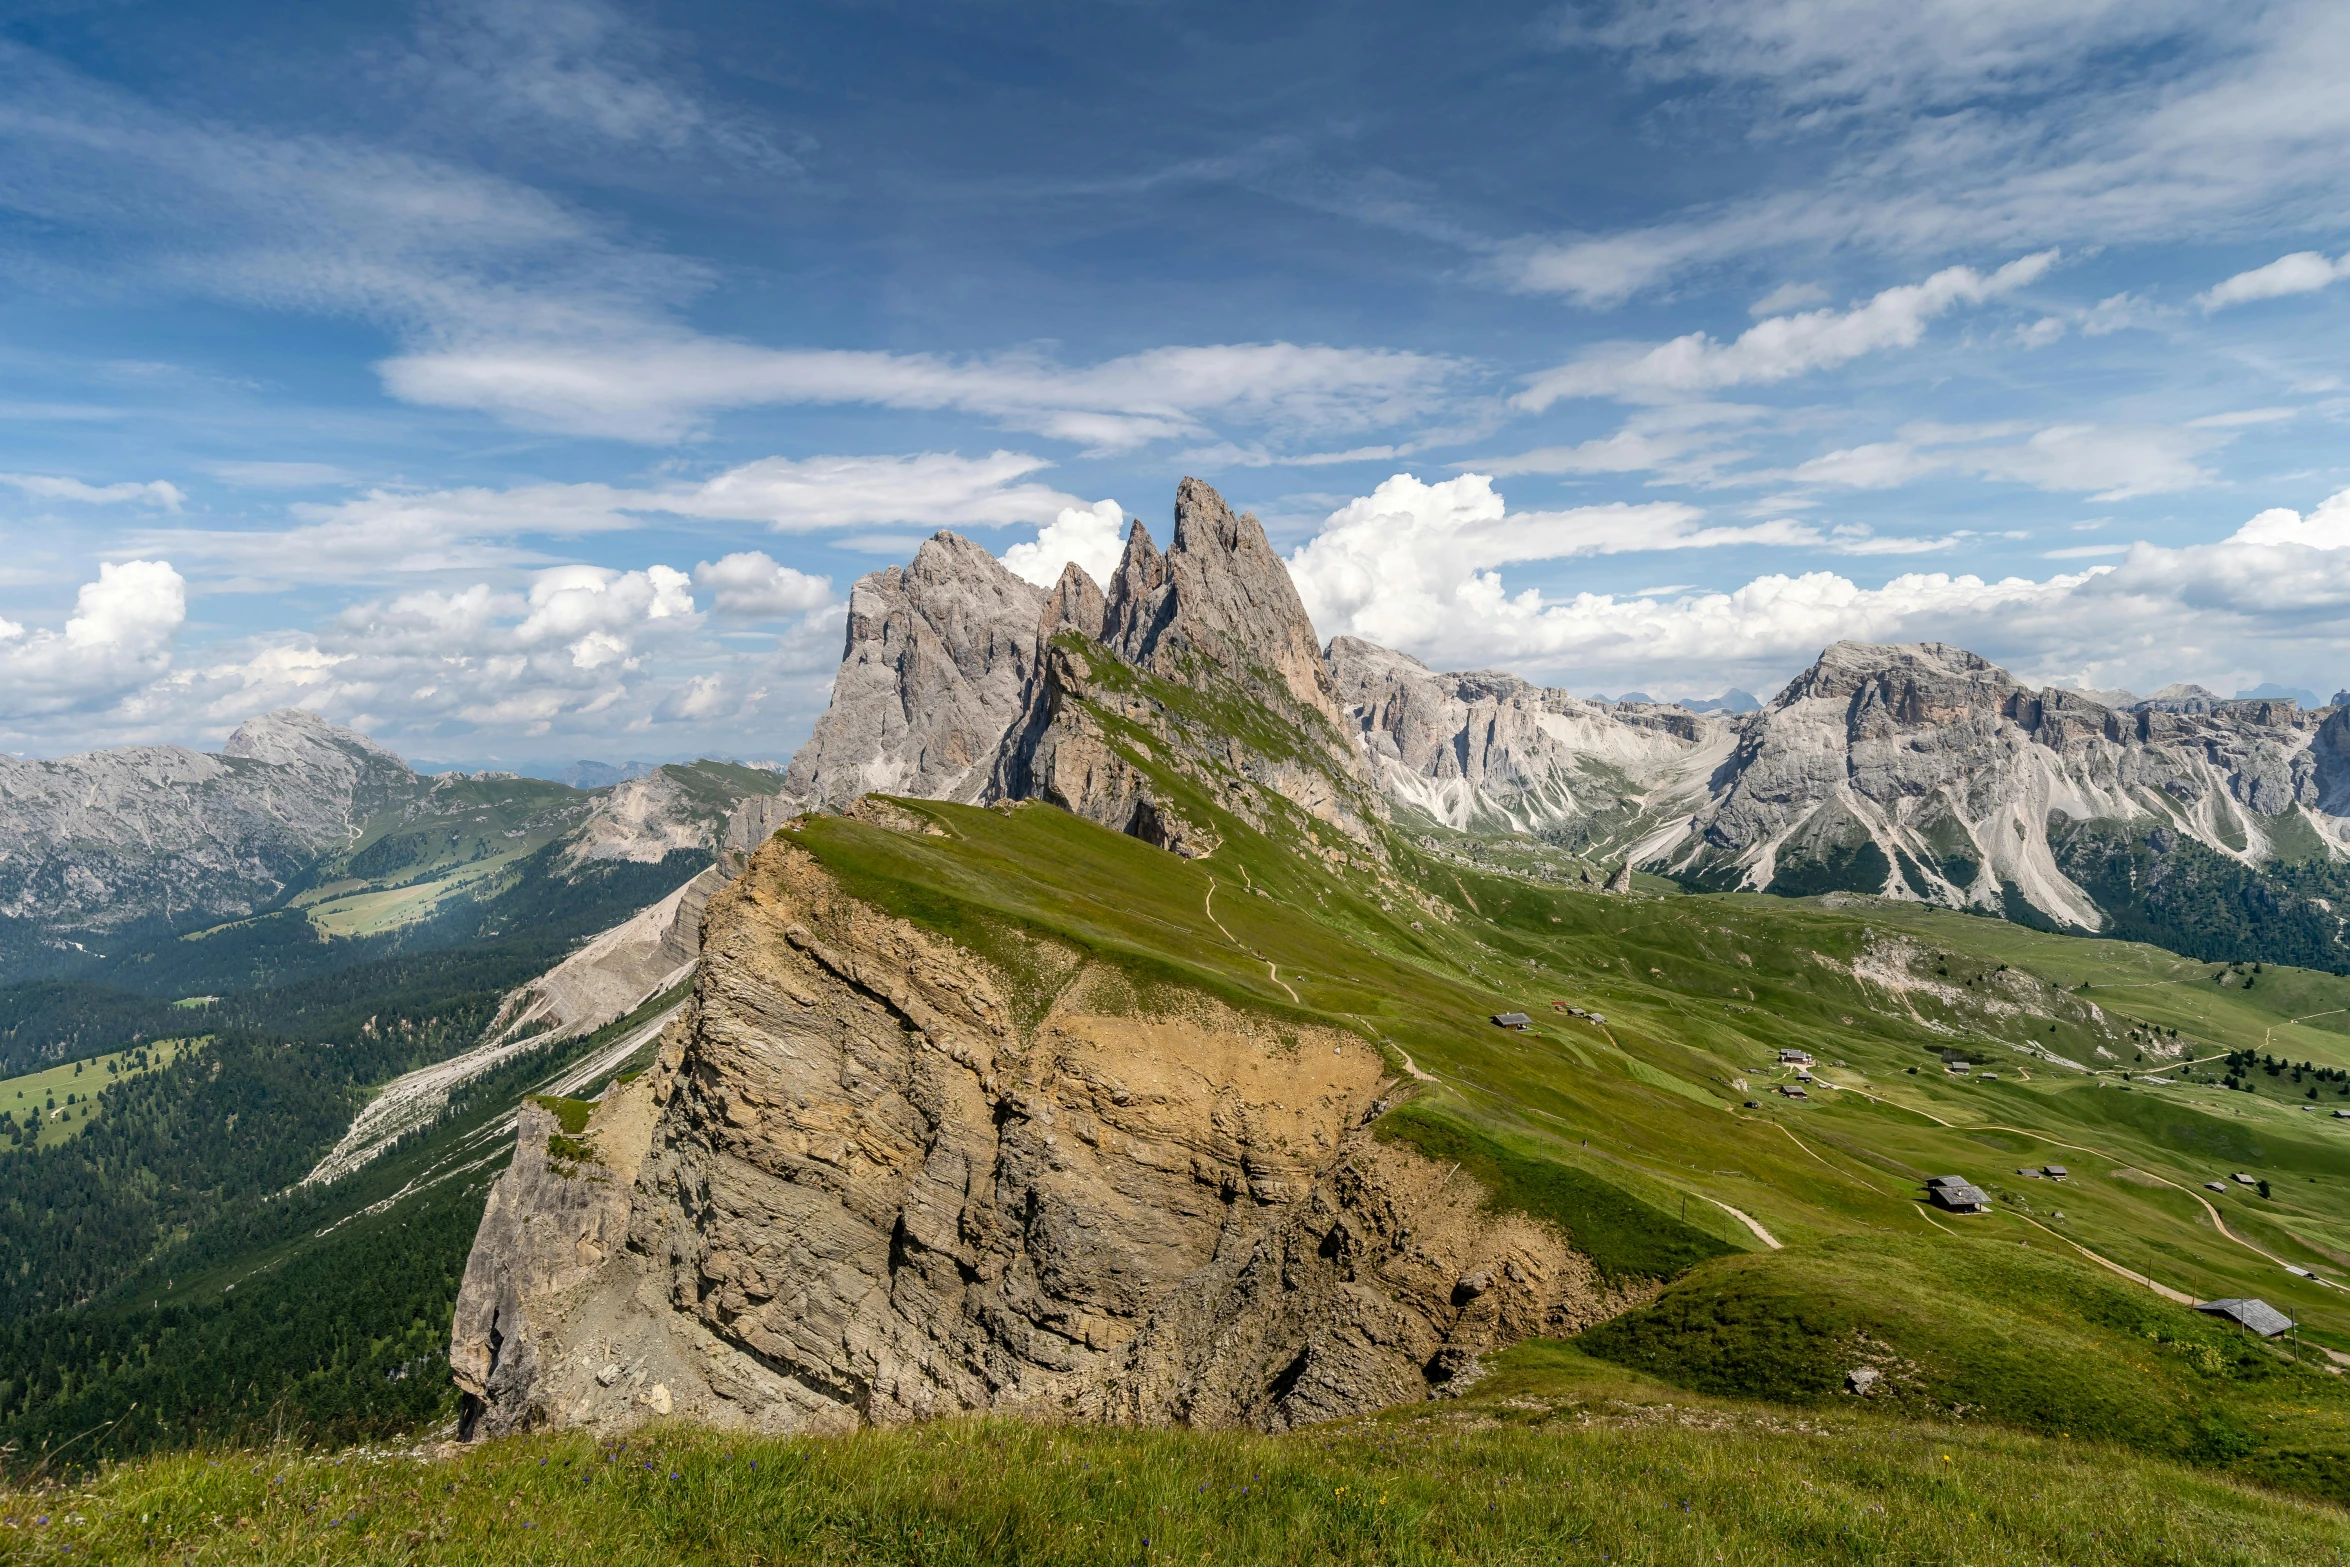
1410	559
2326	527
118	637
1413	566
1092	536
750	586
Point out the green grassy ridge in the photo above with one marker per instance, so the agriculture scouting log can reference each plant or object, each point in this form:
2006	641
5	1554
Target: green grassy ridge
2024	1335
1645	1115
1553	1458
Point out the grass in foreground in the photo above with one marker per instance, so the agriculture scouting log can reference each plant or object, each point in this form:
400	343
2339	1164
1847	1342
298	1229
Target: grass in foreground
1554	1458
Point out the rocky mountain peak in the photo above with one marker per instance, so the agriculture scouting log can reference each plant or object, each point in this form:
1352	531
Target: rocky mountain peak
1844	668
2180	698
1075	603
1222	597
1137	590
297	737
936	658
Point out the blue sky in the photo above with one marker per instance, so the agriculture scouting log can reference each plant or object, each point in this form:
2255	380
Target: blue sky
529	379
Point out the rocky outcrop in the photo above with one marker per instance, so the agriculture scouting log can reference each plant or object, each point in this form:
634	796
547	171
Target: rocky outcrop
558	1214
614	972
1075	604
109	839
884	1178
1487	751
1216	615
937	659
1219	606
682	806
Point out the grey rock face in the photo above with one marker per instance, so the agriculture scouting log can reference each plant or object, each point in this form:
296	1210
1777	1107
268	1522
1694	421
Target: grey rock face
1487	751
1219	599
856	1192
549	1222
692	806
1935	772
96	842
1217	613
937	659
1075	604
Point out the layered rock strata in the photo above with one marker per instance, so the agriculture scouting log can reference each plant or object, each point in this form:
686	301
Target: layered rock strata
855	1190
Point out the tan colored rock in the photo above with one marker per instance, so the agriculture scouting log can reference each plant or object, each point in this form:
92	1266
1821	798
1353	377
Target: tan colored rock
870	1195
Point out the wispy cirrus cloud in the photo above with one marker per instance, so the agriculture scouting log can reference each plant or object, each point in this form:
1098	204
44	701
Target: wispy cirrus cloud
510	302
578	68
1779	348
49	487
2108	463
385	532
1948	129
660	386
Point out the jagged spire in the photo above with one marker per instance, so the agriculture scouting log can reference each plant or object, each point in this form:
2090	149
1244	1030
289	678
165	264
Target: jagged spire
1075	604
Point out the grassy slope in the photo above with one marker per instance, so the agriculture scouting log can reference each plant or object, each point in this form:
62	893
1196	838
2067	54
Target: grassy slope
1637	1129
1554	1458
1972	1326
460	838
28	1098
1698	992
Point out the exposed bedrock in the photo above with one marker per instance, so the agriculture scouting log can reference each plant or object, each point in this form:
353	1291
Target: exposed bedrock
855	1189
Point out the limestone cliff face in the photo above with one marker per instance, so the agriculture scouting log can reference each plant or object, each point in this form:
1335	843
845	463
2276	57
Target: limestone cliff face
1489	751
859	1189
1218	605
94	842
937	658
1939	771
1075	604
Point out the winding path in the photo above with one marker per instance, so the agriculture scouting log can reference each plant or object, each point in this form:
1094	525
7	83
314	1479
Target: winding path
1271	968
1747	1219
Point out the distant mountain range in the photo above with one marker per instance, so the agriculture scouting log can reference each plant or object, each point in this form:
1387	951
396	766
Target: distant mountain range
109	856
1919	772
